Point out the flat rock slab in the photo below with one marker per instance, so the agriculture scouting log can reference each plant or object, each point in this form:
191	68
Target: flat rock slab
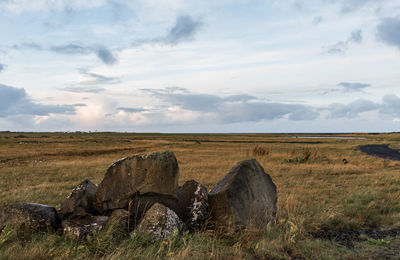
161	222
81	228
154	173
81	201
37	216
244	197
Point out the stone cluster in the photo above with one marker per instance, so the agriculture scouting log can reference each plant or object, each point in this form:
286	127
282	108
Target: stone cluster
141	193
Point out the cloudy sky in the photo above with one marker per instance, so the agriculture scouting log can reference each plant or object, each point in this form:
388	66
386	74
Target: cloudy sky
200	66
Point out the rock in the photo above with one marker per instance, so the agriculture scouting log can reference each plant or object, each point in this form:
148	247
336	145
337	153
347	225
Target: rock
160	221
118	225
154	174
81	201
244	197
37	216
192	206
82	227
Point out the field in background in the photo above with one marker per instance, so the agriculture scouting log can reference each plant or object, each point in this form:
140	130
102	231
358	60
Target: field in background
317	192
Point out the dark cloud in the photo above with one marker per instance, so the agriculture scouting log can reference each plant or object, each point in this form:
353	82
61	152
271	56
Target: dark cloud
183	98
388	31
15	101
338	48
341	46
352	86
97	79
2	67
105	55
356	36
28	45
184	29
234	108
390	105
259	111
131	110
240	98
352	109
347	87
71	49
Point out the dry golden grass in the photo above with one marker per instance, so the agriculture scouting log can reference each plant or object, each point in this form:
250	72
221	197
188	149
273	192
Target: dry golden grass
316	190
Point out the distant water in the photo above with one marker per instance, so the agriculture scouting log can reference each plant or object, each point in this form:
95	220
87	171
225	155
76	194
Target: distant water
328	137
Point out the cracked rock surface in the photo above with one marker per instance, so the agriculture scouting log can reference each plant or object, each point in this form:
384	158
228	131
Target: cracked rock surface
161	222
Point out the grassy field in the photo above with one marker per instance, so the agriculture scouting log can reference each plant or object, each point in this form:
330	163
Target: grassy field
319	196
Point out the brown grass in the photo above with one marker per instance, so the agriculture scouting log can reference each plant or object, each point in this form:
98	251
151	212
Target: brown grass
315	189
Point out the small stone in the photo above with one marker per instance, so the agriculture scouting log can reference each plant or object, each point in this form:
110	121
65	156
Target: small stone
81	201
80	228
161	222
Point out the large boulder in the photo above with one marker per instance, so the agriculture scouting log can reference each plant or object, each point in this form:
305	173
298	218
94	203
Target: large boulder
244	197
154	174
37	216
81	201
160	221
192	205
80	228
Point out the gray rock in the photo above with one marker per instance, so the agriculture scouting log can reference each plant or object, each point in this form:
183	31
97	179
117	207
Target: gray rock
139	204
37	216
192	205
154	174
81	201
244	197
160	221
80	228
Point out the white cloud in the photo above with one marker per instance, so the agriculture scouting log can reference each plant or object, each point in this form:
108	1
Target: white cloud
18	6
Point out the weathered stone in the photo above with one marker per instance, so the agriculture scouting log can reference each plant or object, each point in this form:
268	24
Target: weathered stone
160	221
154	173
244	197
119	225
37	216
82	227
139	204
192	205
81	201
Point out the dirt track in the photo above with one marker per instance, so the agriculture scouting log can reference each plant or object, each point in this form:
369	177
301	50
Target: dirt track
381	150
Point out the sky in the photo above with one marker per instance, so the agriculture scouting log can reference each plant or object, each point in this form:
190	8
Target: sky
200	66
